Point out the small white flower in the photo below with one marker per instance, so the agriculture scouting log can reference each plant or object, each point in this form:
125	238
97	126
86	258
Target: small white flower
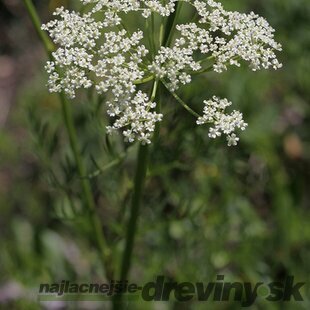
94	50
214	113
232	140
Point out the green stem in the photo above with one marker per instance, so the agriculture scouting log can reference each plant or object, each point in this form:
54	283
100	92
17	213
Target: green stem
135	208
149	32
86	187
178	99
141	169
108	166
47	43
142	162
140	175
165	37
170	25
71	131
144	80
153	37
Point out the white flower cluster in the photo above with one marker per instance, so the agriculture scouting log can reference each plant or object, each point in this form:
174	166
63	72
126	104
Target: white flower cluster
136	114
173	64
95	50
214	113
111	67
146	7
223	36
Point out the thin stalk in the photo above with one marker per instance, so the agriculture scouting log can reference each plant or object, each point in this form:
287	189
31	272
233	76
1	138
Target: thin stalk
142	163
178	99
141	169
71	131
153	38
108	166
47	43
157	125
158	103
165	37
139	181
86	187
171	22
144	80
161	31
150	37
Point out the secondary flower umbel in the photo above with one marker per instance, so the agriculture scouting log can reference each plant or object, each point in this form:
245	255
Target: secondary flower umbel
95	49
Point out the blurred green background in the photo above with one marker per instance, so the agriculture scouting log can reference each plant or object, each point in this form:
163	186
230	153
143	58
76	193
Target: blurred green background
208	209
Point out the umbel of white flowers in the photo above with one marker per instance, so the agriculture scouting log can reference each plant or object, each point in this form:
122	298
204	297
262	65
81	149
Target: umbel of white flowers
101	53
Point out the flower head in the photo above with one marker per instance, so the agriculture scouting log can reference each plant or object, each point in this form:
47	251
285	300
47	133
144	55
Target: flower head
95	49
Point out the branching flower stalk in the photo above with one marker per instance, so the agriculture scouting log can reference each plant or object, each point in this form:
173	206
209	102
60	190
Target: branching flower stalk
95	50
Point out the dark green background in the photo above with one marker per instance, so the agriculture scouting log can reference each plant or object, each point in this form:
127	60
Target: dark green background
208	209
